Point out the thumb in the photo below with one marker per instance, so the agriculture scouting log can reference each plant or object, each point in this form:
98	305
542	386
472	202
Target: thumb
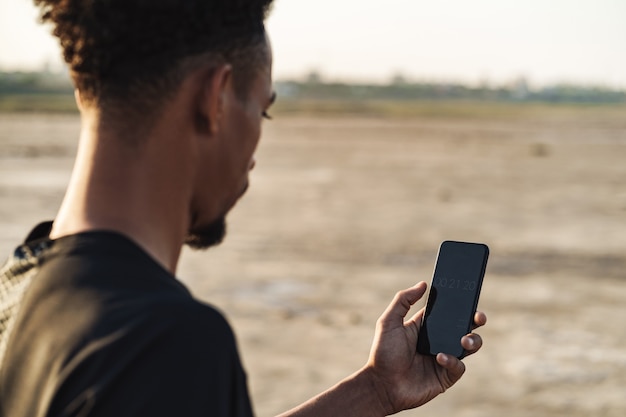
401	304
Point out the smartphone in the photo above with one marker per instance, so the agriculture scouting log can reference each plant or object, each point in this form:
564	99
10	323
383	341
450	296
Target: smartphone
452	298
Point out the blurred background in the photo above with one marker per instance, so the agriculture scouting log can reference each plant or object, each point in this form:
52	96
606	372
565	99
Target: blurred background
399	124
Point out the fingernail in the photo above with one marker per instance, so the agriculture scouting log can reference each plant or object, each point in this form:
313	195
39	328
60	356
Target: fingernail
470	342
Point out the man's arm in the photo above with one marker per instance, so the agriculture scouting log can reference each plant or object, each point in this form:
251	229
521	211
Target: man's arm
395	377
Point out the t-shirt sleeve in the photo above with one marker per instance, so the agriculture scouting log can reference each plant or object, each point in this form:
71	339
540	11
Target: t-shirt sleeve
181	361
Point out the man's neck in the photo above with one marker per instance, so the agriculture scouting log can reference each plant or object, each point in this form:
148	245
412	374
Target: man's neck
125	188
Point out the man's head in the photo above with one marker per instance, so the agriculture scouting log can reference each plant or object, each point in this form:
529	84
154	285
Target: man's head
130	60
133	51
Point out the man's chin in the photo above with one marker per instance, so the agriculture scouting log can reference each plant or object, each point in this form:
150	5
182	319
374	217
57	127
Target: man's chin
207	236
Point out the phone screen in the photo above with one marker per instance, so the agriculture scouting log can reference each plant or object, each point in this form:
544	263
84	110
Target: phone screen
453	297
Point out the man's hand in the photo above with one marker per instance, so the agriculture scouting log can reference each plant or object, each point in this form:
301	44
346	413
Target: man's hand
396	377
404	378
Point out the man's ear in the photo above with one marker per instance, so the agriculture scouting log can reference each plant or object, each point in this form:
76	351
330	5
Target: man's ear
213	97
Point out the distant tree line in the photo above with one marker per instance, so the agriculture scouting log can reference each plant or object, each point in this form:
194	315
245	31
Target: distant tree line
314	87
396	90
35	83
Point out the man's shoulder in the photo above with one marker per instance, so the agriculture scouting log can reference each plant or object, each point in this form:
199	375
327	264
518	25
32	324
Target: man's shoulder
188	315
118	289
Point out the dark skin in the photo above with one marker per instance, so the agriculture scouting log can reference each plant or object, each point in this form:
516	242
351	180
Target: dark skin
395	377
398	364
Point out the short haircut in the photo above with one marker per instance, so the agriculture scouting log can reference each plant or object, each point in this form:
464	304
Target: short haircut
133	52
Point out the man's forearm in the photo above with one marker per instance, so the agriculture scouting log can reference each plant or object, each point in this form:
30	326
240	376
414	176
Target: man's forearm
356	396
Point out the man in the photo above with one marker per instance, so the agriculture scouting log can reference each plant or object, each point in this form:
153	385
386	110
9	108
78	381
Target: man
93	321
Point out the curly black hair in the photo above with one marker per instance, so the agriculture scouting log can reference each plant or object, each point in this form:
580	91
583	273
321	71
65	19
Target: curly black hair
131	51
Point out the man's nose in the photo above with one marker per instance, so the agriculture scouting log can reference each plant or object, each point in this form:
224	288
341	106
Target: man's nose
252	164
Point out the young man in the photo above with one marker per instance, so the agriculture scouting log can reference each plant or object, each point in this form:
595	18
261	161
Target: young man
92	319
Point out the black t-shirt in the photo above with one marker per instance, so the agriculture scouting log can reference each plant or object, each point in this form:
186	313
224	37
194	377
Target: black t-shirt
103	330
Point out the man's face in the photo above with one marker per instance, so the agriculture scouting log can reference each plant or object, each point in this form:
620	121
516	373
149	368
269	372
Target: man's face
224	179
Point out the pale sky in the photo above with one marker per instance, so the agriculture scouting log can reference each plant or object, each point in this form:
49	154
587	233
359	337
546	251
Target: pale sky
546	41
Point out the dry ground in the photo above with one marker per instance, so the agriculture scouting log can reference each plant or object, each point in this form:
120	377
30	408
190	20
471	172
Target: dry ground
343	212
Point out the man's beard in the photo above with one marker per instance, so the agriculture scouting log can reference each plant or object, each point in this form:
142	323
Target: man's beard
205	237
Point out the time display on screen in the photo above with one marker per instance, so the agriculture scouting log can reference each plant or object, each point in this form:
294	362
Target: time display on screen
454	284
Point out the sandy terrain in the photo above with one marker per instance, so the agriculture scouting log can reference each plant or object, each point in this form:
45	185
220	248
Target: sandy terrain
343	212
